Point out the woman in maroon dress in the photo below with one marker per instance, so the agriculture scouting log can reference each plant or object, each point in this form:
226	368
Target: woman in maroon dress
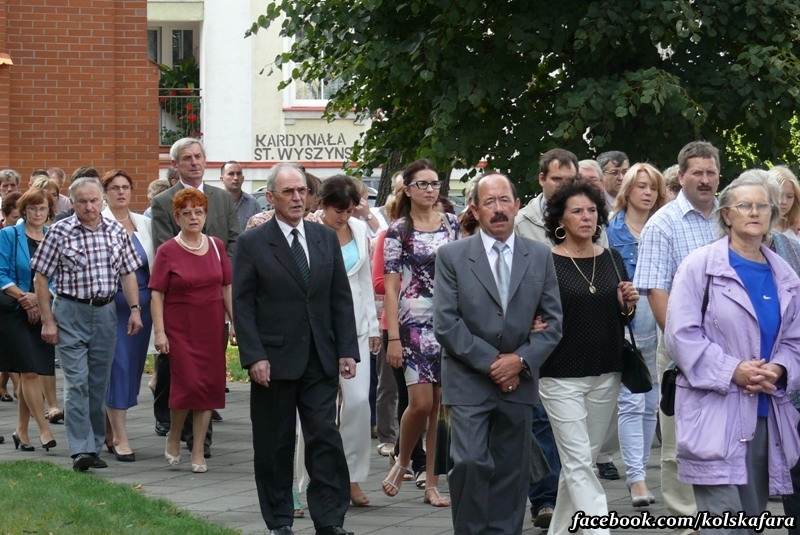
191	297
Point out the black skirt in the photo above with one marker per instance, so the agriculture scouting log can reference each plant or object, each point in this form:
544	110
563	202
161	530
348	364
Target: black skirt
23	349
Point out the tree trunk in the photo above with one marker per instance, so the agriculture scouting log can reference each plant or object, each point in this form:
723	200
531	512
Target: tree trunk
444	177
388	171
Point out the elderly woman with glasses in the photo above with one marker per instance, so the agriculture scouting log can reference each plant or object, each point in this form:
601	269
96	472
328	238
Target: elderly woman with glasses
732	331
130	351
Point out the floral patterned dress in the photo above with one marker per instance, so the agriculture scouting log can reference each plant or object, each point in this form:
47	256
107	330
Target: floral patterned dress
413	256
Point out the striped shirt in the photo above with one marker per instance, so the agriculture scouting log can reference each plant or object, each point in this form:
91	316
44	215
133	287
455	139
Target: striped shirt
86	263
673	232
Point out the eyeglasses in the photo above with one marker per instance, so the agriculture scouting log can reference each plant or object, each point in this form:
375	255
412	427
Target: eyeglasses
615	172
423	185
746	208
289	192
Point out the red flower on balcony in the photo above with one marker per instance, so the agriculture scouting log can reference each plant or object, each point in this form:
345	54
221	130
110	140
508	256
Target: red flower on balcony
189	106
172	93
192	118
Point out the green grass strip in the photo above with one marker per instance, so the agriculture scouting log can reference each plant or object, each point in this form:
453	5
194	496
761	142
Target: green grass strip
40	497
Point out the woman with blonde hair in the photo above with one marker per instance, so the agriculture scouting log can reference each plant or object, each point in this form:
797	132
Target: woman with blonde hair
790	201
642	193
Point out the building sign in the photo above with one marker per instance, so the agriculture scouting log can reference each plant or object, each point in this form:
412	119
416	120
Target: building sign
301	147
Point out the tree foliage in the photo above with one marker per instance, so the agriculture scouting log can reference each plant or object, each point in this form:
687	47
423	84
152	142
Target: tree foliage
460	81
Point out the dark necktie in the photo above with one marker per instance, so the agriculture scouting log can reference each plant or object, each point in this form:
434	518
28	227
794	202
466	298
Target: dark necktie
300	256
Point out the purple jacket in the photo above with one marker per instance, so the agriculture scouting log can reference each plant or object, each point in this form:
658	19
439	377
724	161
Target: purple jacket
715	418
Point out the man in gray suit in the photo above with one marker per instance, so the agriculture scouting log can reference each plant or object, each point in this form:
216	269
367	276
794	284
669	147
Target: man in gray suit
487	290
189	158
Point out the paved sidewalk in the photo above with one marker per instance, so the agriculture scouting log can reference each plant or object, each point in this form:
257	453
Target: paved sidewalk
226	493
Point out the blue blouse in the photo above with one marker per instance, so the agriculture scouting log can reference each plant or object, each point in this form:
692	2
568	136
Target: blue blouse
350	255
760	285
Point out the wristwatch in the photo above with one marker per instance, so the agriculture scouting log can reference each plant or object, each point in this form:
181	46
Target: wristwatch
369	217
137	307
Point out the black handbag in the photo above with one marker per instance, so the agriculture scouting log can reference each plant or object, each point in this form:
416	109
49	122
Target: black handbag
635	374
670	376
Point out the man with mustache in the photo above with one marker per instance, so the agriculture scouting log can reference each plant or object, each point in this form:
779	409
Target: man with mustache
487	290
667	238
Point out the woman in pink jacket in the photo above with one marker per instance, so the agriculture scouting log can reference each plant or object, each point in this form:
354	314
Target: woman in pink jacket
733	331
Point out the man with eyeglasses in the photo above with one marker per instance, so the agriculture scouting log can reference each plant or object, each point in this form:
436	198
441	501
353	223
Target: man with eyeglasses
678	228
297	334
189	159
614	164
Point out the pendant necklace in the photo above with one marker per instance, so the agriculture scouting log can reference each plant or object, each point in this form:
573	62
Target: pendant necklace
592	287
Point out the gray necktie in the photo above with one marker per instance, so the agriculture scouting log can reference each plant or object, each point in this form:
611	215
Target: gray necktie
503	272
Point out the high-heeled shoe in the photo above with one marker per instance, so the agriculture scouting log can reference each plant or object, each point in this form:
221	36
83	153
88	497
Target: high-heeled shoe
19	445
199	468
49	444
171	459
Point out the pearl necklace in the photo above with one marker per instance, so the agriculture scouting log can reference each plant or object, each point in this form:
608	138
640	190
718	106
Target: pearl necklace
184	244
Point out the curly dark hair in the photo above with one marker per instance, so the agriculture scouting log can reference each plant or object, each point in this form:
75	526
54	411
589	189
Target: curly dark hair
558	203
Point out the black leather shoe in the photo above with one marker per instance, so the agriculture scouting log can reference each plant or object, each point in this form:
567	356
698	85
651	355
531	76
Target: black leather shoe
283	530
215	416
334	530
607	471
82	462
542	517
162	429
99	463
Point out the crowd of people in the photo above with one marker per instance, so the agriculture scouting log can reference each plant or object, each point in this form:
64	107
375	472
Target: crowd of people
488	346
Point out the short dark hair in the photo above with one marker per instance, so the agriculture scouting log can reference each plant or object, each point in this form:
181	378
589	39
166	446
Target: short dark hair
696	149
562	156
111	175
10	202
557	204
617	157
84	171
313	183
473	194
39	172
229	162
340	192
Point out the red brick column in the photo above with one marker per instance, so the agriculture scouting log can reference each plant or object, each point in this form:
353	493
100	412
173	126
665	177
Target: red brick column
82	90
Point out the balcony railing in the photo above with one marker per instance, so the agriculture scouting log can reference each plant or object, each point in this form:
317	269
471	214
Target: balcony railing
180	114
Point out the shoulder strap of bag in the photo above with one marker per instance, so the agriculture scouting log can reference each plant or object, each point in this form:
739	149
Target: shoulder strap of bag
214	244
704	305
619	278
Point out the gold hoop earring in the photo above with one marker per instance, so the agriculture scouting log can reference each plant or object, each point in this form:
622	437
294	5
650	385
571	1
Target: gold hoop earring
555	233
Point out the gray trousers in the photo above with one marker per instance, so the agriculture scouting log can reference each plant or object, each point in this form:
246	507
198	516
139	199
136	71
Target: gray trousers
491	458
386	399
86	339
750	498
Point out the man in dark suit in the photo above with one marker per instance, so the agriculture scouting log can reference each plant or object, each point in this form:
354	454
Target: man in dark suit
487	290
189	158
296	330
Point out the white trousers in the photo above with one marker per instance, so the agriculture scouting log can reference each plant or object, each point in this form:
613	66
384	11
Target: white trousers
354	416
580	410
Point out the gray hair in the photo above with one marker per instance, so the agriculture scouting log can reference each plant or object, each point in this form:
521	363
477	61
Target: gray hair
81	182
751	177
7	175
617	157
182	144
278	169
593	164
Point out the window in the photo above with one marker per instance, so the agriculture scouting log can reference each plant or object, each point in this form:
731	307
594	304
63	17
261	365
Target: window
154	44
182	46
307	94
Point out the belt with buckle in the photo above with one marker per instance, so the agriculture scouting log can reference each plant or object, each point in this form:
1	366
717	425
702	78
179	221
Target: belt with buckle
94	301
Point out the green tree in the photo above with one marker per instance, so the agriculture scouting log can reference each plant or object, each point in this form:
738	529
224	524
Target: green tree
460	81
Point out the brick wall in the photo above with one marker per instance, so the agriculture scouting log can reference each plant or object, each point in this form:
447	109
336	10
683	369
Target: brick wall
82	90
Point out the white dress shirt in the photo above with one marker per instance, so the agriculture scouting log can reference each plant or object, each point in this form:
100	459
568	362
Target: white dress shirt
491	254
185	185
287	229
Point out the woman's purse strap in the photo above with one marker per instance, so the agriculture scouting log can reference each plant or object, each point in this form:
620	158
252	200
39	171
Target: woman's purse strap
619	278
214	244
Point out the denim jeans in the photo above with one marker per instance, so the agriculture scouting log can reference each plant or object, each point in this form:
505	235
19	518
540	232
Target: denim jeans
638	412
542	493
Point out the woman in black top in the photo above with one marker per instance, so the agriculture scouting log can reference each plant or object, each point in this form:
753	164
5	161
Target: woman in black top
580	380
